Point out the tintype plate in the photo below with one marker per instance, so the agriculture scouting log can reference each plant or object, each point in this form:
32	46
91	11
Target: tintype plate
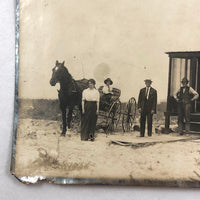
133	66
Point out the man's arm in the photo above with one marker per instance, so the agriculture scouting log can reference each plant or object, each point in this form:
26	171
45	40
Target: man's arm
111	90
176	95
83	106
105	90
83	102
154	103
98	99
139	99
196	95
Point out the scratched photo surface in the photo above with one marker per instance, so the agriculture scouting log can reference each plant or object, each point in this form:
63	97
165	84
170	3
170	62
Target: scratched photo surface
138	119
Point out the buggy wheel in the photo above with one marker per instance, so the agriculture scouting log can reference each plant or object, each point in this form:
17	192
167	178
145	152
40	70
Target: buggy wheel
113	116
129	115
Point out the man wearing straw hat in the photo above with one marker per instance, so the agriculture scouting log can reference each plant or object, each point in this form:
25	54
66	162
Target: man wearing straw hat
147	103
185	96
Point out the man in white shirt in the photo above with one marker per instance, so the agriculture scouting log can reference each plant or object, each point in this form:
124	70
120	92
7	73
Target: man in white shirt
185	96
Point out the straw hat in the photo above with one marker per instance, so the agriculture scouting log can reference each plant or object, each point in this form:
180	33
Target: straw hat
148	80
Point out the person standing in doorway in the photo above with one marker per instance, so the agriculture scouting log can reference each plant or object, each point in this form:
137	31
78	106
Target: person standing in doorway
90	110
147	103
184	97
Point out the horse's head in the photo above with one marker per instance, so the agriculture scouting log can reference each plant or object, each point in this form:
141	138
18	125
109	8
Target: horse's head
57	73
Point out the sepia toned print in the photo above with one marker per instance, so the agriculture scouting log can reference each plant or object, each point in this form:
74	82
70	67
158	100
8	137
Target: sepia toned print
108	93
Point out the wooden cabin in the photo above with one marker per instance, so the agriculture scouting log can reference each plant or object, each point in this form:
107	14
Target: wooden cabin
183	64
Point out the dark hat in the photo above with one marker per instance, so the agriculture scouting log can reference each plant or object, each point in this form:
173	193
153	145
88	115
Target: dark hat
148	80
108	79
184	80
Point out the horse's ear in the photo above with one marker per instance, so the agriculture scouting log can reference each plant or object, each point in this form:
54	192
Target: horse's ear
63	63
56	62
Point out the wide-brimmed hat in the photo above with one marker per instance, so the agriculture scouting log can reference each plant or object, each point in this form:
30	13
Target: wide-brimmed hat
108	80
148	80
185	80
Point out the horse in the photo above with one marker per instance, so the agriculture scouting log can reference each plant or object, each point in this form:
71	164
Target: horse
70	93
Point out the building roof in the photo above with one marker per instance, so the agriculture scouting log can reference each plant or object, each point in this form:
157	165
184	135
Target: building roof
184	54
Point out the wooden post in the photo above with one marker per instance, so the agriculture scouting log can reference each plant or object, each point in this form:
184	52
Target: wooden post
186	67
198	85
167	121
167	113
193	78
169	83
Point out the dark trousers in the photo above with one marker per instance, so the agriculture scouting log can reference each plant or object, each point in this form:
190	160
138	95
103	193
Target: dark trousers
184	110
146	115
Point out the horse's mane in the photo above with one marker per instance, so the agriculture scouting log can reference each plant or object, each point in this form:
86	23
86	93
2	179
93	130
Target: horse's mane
79	85
66	72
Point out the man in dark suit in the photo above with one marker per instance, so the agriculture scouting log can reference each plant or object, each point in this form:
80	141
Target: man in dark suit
147	103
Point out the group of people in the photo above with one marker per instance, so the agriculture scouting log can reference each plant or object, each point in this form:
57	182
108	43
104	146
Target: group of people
148	100
147	103
90	106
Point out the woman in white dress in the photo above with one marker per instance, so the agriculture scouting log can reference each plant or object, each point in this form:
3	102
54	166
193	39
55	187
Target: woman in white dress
90	110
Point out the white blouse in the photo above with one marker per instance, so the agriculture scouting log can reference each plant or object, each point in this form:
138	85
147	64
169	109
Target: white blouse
90	95
107	90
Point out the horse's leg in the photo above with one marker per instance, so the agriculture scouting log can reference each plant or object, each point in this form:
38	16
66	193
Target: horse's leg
64	129
80	108
69	116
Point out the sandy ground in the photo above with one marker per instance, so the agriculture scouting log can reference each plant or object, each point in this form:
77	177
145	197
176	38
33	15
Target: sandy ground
42	152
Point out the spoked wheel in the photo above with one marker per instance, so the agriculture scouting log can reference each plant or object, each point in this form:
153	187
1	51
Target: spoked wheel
129	115
113	116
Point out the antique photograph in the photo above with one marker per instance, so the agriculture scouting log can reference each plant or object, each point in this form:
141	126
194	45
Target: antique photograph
107	92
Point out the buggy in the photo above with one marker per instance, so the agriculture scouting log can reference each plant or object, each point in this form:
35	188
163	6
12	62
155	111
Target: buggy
114	111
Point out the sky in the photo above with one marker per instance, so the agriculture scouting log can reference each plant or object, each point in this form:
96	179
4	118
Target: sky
125	40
